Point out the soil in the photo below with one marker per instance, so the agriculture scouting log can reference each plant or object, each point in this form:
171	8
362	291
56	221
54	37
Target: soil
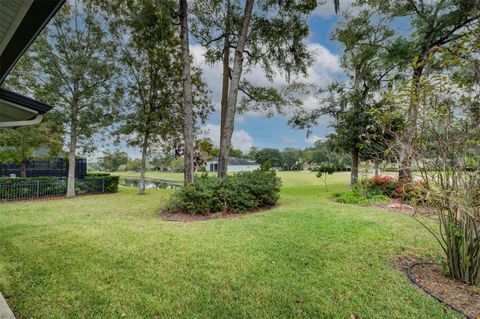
182	217
431	278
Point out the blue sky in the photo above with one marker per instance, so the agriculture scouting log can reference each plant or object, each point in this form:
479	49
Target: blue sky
254	129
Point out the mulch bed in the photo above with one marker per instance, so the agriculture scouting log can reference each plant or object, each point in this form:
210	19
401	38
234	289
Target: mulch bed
456	295
395	205
182	217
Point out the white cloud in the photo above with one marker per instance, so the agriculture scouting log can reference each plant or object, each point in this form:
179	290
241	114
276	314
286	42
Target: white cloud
325	67
241	139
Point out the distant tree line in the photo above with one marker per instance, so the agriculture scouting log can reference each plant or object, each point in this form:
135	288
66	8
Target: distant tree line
288	159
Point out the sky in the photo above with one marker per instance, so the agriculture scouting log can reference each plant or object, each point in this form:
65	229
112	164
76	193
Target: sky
256	129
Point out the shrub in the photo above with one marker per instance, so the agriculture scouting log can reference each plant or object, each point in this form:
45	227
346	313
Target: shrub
264	185
30	187
99	182
201	197
238	193
389	186
384	185
351	196
355	196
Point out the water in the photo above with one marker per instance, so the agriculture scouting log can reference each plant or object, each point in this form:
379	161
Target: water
150	183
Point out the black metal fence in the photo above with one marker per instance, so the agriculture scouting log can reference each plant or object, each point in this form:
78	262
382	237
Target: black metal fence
20	189
57	167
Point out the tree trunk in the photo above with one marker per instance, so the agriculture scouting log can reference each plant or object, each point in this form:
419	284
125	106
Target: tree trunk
227	132
354	169
188	124
141	190
408	138
226	76
23	171
72	152
377	164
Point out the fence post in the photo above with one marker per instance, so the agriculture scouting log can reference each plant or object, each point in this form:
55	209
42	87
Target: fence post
103	185
38	188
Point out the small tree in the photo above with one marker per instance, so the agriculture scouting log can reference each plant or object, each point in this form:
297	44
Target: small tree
17	145
449	155
325	170
111	162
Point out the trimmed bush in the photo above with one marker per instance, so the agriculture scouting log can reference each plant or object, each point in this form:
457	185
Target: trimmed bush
239	193
199	198
93	183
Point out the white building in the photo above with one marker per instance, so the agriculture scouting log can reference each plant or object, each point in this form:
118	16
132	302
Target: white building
235	164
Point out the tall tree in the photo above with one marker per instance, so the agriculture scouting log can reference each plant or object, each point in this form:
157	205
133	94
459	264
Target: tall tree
371	53
73	69
435	25
270	156
292	157
266	33
151	56
188	125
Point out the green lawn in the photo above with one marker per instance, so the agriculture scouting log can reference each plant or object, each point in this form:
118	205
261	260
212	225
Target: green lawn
109	256
289	178
157	175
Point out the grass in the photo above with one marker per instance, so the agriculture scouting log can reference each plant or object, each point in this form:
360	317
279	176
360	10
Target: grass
289	178
156	175
109	256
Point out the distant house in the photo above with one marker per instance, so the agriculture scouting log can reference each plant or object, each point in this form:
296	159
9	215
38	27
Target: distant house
235	164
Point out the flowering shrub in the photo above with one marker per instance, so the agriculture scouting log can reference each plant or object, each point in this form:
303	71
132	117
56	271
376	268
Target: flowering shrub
382	185
394	188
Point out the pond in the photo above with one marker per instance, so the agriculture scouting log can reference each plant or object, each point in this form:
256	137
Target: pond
150	183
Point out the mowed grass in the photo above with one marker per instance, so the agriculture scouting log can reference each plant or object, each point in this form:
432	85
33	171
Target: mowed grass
289	179
110	256
155	175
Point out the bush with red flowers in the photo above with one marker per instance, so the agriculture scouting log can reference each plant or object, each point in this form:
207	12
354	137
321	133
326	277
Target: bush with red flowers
382	185
394	188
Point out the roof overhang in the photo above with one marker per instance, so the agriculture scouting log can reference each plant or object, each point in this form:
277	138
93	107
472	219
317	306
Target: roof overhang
18	110
21	21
